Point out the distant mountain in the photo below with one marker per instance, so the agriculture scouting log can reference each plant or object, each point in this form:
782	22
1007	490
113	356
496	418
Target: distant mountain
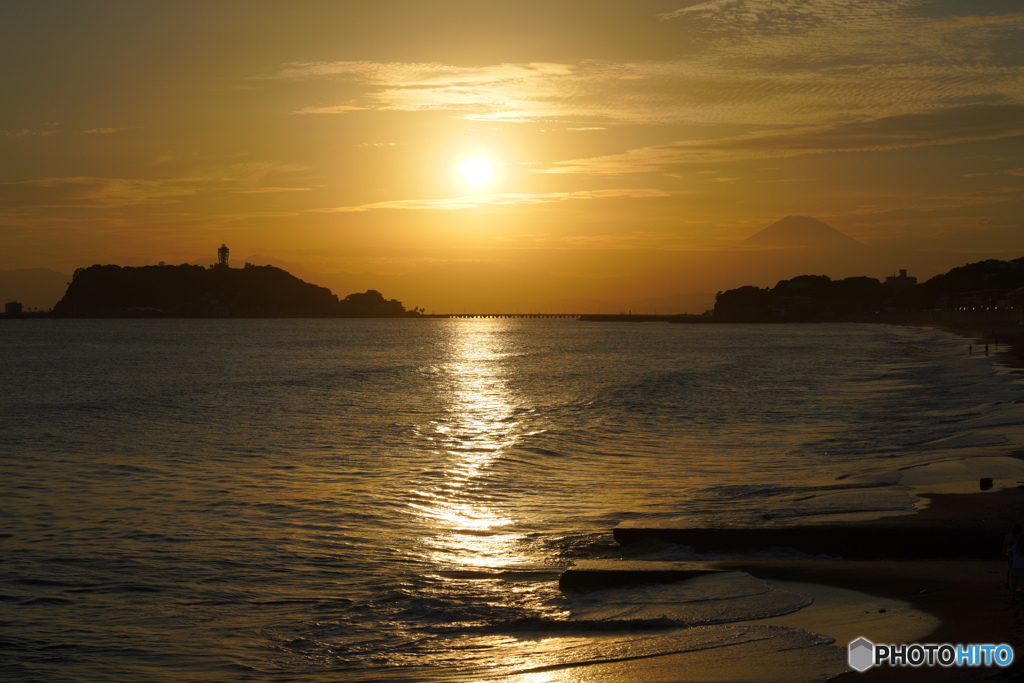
802	231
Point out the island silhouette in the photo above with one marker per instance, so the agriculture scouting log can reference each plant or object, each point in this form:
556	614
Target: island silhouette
218	291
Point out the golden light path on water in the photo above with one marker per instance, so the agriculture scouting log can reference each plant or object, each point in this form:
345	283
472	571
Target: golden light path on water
480	428
467	520
467	510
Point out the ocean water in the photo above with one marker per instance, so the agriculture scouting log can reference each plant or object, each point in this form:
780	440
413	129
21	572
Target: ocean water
393	500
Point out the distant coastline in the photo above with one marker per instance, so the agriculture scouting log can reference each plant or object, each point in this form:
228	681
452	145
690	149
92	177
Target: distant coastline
984	299
190	291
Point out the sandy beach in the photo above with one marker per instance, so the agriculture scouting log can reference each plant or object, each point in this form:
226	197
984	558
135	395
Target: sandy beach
926	600
954	601
966	598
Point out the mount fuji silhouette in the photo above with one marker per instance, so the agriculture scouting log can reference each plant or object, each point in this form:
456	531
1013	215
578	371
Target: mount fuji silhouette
802	232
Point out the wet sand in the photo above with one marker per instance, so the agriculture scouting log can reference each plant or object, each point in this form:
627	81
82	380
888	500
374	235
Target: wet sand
965	598
965	601
931	601
908	601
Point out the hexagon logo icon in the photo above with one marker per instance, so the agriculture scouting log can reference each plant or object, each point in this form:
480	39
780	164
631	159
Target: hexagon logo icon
861	654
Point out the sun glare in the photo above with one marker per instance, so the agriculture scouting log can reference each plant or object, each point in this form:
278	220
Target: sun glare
477	171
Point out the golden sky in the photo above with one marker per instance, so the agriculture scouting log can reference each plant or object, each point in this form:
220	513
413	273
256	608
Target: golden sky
622	150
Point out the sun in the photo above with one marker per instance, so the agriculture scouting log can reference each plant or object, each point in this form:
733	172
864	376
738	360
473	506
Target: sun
476	171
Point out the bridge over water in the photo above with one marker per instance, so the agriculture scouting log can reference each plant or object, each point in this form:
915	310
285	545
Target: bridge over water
586	317
570	316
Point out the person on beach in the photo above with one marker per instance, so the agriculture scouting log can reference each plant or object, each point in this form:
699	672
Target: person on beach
1009	540
1013	551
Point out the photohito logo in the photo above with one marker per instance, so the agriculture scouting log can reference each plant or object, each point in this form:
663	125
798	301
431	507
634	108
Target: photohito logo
863	654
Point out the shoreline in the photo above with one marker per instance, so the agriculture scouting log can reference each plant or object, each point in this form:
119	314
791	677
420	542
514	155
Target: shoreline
915	600
956	601
967	599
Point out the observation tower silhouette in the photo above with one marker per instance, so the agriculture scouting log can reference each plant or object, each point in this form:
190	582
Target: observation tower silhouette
222	256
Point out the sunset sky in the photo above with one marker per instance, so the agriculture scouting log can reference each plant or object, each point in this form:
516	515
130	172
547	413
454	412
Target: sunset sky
621	150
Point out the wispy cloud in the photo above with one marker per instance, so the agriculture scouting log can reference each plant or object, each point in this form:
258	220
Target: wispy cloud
788	15
29	132
953	23
335	109
103	131
762	62
250	173
499	91
272	190
54	129
101	193
89	192
475	202
419	73
944	127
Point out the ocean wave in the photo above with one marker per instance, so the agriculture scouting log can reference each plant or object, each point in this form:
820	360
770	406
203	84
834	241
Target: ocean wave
273	482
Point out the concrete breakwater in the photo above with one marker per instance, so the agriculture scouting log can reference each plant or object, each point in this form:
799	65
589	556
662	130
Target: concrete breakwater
955	527
861	541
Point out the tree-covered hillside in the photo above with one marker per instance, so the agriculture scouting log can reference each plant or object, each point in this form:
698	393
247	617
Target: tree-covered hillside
810	298
218	291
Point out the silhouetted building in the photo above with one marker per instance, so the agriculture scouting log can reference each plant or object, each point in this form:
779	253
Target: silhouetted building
13	308
901	280
222	256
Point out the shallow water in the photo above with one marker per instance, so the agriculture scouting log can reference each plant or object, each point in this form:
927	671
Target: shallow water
322	500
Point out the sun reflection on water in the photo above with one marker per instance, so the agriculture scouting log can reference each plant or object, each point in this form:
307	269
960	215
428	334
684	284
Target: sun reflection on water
461	502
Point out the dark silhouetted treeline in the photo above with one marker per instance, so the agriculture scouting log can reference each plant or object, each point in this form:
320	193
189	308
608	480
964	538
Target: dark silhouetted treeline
984	285
217	291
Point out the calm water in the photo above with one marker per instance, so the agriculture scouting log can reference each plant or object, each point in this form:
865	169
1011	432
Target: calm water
325	500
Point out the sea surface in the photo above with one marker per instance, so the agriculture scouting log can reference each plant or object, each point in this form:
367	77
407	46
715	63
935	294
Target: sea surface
393	500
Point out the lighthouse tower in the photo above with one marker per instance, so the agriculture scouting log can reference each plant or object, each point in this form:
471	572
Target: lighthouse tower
222	256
